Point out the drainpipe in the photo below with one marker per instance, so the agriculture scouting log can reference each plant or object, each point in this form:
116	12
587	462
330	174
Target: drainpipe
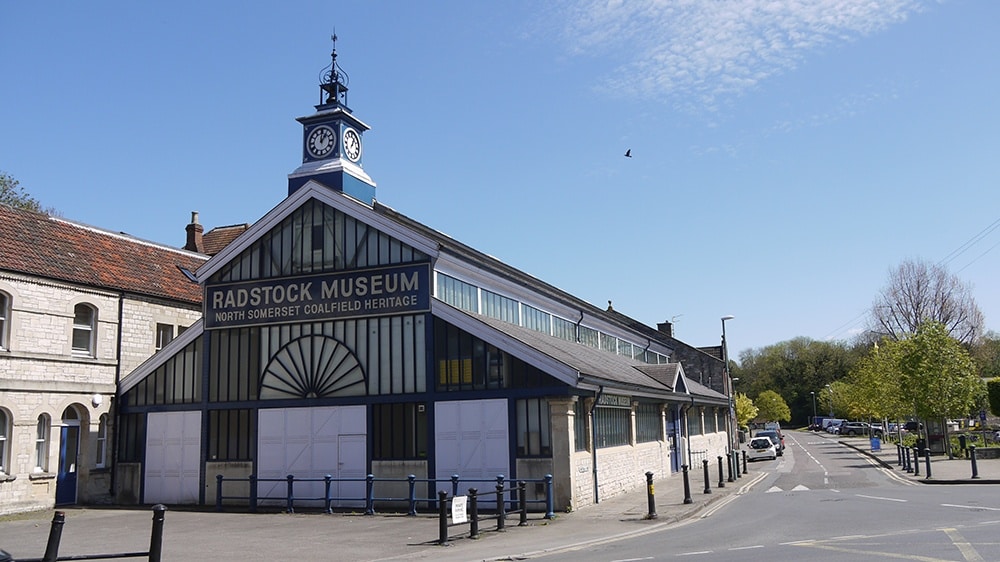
113	402
687	432
576	328
593	439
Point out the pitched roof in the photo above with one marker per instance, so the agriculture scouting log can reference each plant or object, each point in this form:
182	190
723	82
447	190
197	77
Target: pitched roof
219	237
59	249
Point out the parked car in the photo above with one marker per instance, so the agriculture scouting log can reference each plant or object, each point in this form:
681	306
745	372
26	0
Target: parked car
775	437
761	448
859	428
913	425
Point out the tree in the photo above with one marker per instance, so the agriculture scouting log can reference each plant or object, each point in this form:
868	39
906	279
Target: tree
993	392
745	410
772	407
874	390
835	399
796	369
986	354
918	292
13	195
938	374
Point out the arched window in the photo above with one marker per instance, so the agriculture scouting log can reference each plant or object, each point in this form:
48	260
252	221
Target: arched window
84	329
42	444
102	442
4	319
5	424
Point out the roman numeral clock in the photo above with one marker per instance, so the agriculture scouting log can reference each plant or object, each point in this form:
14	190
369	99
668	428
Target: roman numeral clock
332	141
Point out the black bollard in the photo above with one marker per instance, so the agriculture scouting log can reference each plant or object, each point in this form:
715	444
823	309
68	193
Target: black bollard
729	461
722	482
744	462
906	460
650	497
522	503
501	508
916	461
704	464
687	485
972	456
473	513
442	517
156	537
927	455
55	535
899	455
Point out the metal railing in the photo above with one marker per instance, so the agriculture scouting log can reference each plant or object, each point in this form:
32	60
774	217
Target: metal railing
254	500
55	536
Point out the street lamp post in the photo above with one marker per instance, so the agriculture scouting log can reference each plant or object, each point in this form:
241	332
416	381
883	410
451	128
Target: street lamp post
814	407
831	400
727	381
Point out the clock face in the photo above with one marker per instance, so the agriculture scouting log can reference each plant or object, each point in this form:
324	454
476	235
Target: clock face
352	145
321	141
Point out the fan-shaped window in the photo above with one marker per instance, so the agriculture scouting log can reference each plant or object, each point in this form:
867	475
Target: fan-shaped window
84	328
312	367
4	319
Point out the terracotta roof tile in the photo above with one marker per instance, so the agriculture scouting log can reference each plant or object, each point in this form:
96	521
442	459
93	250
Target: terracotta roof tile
218	238
37	244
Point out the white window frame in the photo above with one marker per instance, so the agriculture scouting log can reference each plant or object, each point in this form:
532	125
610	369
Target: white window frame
91	328
101	445
5	426
42	430
4	319
162	328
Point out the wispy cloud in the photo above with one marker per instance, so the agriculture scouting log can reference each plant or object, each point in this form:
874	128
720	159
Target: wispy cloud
700	51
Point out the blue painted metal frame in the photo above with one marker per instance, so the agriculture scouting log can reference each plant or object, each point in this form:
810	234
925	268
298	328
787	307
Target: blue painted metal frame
370	499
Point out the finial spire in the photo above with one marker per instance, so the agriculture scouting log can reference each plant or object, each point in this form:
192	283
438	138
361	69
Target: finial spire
333	84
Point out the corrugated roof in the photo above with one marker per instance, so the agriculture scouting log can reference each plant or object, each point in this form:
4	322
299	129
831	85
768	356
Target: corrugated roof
59	249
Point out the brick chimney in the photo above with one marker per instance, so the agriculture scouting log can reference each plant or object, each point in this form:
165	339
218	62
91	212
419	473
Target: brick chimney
666	328
194	235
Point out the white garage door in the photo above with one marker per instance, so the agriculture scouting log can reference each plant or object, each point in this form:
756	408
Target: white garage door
311	443
472	441
173	458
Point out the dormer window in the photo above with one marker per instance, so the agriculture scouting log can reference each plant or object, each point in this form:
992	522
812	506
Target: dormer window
84	329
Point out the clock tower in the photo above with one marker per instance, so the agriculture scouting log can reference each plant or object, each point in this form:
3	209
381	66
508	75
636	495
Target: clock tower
332	141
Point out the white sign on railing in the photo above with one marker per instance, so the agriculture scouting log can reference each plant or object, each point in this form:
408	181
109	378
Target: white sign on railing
459	511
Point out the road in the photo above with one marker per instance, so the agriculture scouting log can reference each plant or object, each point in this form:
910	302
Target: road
824	501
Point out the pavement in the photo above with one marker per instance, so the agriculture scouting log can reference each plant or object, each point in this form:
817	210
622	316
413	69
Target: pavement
190	534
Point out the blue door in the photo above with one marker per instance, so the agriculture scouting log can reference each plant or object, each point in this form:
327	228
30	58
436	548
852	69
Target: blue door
69	447
674	438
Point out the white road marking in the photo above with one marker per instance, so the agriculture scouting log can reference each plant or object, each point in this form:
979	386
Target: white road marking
800	488
694	553
971	507
881	498
747	547
632	559
773	489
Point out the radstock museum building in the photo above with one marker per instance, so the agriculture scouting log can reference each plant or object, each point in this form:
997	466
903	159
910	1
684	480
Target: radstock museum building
340	337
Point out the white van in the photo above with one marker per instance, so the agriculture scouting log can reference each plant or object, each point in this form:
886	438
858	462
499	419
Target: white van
832	425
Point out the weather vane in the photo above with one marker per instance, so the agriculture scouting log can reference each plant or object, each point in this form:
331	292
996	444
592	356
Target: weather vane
333	80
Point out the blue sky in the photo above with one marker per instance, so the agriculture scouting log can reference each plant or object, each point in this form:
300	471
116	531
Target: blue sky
786	154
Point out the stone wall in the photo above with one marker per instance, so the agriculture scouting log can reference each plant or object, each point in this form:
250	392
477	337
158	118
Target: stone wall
41	375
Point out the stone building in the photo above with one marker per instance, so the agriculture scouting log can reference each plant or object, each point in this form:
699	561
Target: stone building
80	307
340	337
